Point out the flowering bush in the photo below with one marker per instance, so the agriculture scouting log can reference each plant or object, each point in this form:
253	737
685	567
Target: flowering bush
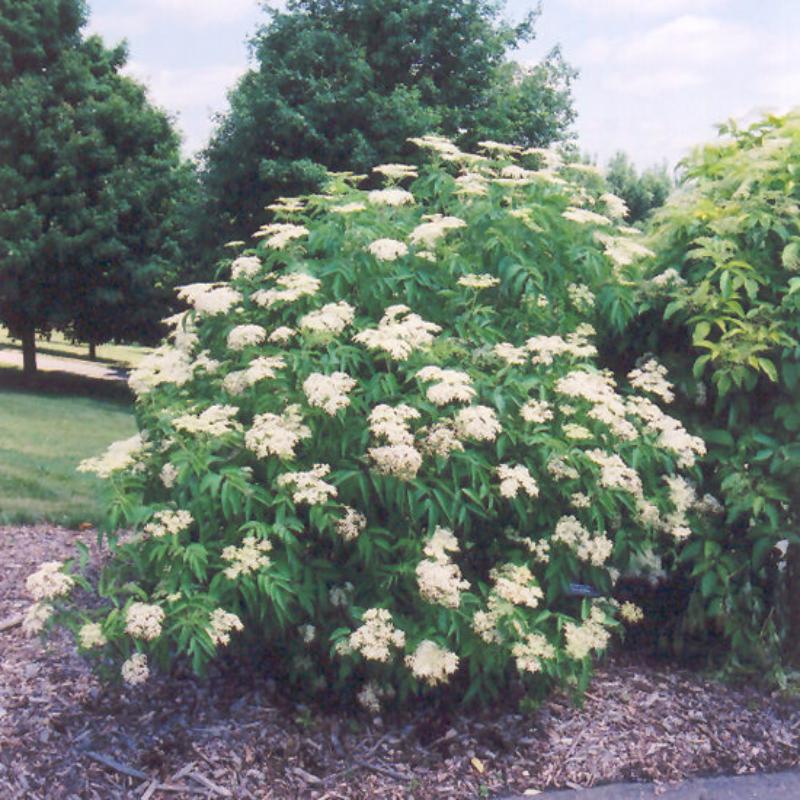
382	450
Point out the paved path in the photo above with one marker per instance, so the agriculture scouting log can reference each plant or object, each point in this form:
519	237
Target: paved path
779	786
12	357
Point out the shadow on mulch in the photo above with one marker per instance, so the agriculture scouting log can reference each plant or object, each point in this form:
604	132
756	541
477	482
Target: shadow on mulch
239	735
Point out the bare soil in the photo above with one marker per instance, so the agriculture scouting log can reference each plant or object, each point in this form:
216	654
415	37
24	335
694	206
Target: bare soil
63	735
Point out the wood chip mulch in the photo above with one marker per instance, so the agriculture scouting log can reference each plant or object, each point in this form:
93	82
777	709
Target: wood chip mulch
62	735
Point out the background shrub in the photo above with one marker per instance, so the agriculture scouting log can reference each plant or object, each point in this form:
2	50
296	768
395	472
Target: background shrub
721	308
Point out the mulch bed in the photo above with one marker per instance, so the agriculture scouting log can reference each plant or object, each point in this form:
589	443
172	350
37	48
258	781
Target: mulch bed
62	735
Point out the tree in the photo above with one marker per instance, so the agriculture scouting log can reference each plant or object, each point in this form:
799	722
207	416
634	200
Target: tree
643	192
342	84
90	178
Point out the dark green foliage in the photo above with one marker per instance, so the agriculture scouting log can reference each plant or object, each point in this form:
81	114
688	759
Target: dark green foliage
342	84
90	174
642	192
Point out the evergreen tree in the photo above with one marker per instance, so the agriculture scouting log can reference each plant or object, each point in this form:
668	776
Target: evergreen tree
342	84
90	179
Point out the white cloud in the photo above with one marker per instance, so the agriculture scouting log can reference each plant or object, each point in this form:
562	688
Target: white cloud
203	12
652	82
652	8
689	39
193	95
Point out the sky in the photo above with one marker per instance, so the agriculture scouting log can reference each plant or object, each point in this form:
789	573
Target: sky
656	76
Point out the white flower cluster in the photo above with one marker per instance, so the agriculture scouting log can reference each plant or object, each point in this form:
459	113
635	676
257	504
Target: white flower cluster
477	422
513	356
388	249
560	470
348	208
135	670
512	479
516	584
308	486
615	206
481	280
622	250
399	458
599	390
281	335
446	150
594	550
672	435
168	522
251	556
119	456
49	581
36	617
682	496
376	635
210	299
536	411
581	296
591	635
615	473
431	663
220	625
91	635
440	440
530	652
293	286
584	217
351	524
245	267
396	171
332	318
215	421
669	277
277	435
328	392
471	184
143	621
652	377
280	234
288	205
165	364
259	369
631	613
576	344
246	336
449	385
390	197
428	233
399	333
439	579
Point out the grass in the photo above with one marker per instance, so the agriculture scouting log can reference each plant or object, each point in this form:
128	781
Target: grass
44	436
122	355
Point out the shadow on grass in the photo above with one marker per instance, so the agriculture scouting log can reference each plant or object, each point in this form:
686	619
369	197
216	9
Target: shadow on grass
50	350
65	383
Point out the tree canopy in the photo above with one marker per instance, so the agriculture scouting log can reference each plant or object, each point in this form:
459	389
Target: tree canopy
342	84
642	192
90	180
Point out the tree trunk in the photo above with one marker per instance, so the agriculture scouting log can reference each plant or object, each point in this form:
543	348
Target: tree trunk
92	351
29	352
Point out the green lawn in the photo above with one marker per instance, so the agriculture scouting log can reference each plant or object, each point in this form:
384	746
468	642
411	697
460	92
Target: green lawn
42	439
